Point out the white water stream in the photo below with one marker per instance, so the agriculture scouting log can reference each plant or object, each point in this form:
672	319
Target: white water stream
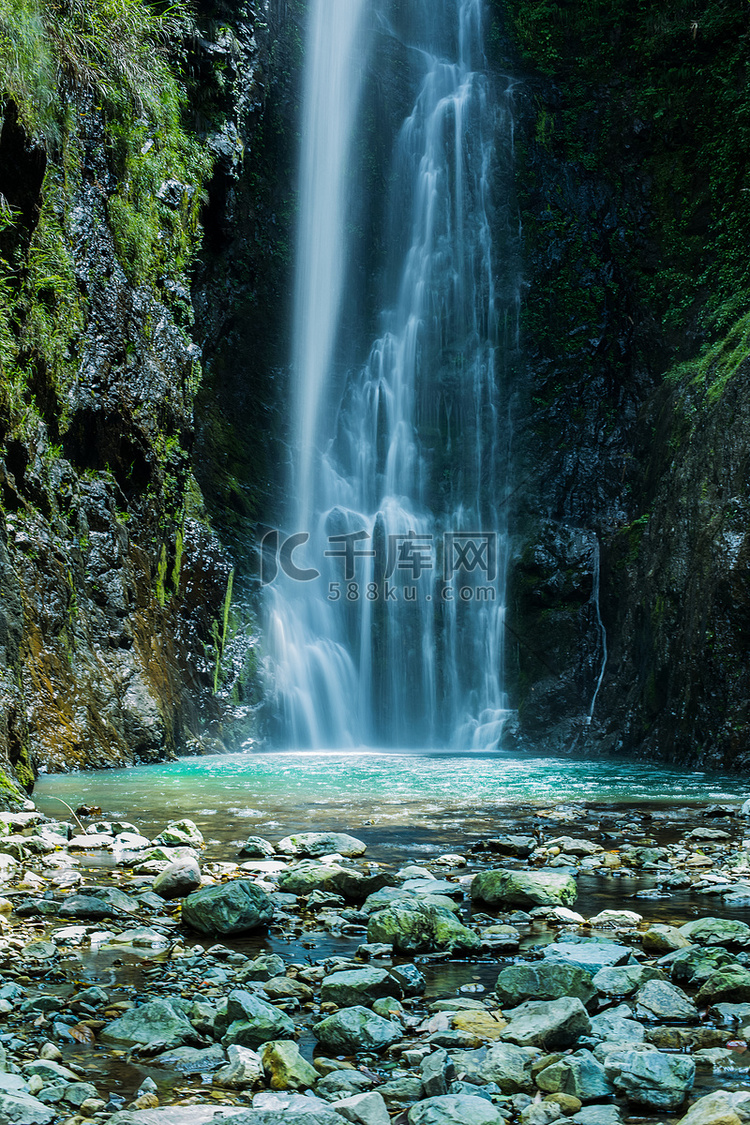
403	464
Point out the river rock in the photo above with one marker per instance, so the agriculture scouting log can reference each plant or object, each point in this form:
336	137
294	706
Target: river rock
364	1109
178	879
578	1074
543	980
663	939
191	1060
622	980
501	887
716	931
695	965
400	1093
236	907
357	986
730	984
343	1083
180	833
356	1029
321	843
251	1021
156	1020
409	979
572	846
650	1078
436	1073
309	875
22	1109
255	847
455	1109
658	999
509	1067
419	927
616	1025
591	956
547	1023
243	1071
285	1067
720	1108
596	1115
608	919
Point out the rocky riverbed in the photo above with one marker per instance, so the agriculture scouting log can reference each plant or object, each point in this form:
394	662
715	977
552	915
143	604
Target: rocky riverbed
164	982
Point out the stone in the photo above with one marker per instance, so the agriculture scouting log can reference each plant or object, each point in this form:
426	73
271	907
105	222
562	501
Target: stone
419	927
343	1083
617	1026
547	1023
309	875
23	1109
180	832
400	1093
251	1021
454	1109
364	1109
479	1025
695	965
501	887
571	846
178	879
661	1000
596	1115
236	907
409	979
622	980
321	843
716	931
719	1108
543	980
191	1060
730	984
156	1020
509	1067
255	847
357	986
243	1071
285	1067
663	939
616	918
436	1072
588	955
650	1078
356	1029
579	1074
521	846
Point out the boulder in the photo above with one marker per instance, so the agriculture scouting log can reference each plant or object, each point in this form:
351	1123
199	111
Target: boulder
579	1074
501	887
660	939
180	833
420	927
357	986
716	931
356	1029
547	1023
542	980
650	1078
364	1109
243	1071
156	1020
237	907
255	847
21	1108
509	1067
321	843
696	964
455	1109
250	1021
719	1108
622	980
588	955
730	984
178	879
658	999
285	1067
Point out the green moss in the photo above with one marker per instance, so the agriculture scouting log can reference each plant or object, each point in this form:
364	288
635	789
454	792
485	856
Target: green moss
11	796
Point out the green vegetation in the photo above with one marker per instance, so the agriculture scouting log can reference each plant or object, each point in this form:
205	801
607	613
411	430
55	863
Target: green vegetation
98	92
655	100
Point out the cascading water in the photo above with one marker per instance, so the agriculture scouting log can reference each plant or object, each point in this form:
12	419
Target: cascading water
390	632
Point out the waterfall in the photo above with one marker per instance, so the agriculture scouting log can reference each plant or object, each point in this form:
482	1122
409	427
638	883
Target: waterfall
596	592
385	619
